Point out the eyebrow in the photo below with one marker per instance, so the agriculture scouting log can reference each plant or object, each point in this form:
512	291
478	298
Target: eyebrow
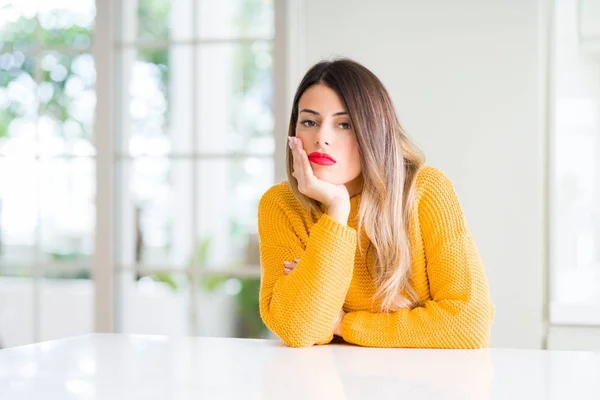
308	110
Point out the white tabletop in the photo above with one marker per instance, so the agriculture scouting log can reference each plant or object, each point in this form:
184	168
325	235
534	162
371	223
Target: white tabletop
153	367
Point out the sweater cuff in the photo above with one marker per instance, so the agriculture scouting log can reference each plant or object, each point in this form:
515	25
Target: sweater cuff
347	324
344	231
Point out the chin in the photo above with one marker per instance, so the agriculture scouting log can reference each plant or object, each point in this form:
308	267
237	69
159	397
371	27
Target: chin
328	178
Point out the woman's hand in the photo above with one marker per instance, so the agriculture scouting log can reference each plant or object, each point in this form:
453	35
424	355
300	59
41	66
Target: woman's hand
288	266
334	197
337	327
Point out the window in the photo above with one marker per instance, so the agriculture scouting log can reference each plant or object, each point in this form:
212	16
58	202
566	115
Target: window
47	167
575	174
193	154
193	151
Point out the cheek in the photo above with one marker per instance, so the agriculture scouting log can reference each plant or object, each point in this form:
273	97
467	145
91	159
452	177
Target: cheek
353	159
354	167
349	166
300	131
303	136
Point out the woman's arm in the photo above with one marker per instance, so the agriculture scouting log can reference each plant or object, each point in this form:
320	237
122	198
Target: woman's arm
302	307
460	312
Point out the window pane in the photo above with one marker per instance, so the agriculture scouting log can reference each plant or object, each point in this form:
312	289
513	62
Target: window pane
18	212
46	205
228	307
160	102
16	310
155	209
164	19
236	18
17	27
67	209
228	196
236	98
18	104
575	219
66	23
67	101
160	234
172	19
66	305
156	304
161	303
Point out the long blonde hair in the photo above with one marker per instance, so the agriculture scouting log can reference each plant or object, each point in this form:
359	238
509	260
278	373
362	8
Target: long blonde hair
389	161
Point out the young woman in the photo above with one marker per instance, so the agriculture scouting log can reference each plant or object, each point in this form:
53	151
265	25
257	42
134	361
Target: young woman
363	241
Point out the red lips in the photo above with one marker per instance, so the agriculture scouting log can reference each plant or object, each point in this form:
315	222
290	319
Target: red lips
321	158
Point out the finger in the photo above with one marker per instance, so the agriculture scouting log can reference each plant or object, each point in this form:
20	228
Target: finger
297	260
304	164
297	160
288	264
287	271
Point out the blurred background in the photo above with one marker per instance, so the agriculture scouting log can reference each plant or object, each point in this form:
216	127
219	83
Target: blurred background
137	137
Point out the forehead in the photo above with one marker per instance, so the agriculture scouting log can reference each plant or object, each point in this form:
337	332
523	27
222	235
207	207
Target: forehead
322	99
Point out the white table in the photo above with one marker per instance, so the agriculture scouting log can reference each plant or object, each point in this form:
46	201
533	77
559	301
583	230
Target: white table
153	367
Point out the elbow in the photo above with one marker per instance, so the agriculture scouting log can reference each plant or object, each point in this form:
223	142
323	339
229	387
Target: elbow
479	339
300	335
467	337
483	317
292	332
475	331
297	341
294	336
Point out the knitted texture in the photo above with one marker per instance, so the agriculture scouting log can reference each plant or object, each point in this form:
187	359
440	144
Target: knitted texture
454	308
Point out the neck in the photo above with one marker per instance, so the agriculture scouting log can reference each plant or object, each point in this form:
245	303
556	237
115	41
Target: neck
355	186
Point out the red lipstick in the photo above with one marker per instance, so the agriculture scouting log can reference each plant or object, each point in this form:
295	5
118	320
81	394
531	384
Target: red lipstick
321	158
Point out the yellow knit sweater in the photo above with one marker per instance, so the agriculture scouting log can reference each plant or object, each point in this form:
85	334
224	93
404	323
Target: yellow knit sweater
455	308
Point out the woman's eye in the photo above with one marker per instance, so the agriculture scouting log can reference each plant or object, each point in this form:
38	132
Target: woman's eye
344	125
308	123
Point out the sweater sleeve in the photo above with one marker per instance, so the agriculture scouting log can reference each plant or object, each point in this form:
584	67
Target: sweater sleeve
302	307
459	312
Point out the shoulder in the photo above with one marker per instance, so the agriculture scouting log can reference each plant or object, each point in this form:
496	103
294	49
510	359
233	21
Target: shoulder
279	211
437	205
279	198
431	183
279	194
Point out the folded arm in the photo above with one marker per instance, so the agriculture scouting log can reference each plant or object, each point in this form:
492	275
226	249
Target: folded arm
302	307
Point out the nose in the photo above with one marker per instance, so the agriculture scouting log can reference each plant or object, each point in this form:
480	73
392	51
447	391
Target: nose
323	137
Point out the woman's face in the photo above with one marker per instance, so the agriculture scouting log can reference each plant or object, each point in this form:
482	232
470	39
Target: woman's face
324	128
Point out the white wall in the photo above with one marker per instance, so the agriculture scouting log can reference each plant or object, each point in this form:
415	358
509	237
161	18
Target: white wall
574	338
468	79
